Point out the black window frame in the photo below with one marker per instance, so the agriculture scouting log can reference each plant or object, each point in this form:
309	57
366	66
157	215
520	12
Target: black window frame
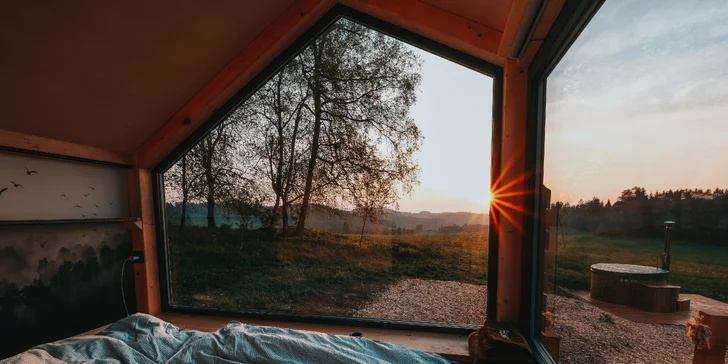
571	21
338	11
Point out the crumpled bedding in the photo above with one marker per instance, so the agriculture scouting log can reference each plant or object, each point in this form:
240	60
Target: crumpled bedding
143	338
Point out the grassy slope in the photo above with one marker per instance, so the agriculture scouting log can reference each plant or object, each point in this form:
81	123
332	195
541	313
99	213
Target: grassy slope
697	268
236	271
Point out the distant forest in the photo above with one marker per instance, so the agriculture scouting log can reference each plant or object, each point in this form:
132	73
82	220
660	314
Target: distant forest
342	221
700	216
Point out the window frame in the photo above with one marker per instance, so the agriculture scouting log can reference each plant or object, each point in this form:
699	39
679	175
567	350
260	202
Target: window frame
338	11
572	20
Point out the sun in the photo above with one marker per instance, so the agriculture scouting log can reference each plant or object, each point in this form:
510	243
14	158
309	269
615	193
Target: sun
488	197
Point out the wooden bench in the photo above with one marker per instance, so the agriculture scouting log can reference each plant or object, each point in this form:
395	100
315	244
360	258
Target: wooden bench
683	304
718	324
657	297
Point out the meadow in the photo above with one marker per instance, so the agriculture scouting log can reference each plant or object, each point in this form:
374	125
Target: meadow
243	269
697	268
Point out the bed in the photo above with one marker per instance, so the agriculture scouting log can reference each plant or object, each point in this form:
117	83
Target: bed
143	338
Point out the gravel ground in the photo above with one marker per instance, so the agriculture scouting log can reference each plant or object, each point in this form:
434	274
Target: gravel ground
588	336
429	300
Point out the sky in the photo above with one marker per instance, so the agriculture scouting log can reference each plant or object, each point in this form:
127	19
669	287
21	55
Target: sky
454	113
640	99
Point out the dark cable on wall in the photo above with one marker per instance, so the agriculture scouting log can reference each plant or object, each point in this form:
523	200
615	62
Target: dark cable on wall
123	297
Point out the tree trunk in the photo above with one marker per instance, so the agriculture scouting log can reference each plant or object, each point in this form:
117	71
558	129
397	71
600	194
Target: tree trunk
364	224
284	217
316	95
185	193
210	201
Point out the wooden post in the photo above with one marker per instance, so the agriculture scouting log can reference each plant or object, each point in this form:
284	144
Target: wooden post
718	340
509	193
552	341
146	274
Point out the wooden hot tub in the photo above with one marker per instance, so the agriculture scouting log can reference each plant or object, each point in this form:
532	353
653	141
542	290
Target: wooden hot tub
615	283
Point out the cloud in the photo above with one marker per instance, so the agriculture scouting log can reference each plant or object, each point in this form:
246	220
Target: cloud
641	94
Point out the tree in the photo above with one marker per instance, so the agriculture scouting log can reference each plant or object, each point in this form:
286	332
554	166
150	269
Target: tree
346	228
277	113
245	204
219	159
180	180
371	195
362	84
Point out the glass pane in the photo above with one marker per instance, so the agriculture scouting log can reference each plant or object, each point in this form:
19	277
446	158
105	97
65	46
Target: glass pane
634	160
353	183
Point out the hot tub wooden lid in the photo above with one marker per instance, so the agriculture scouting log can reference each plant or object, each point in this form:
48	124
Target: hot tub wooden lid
630	271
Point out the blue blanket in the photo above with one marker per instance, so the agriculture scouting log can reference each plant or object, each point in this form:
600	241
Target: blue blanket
146	339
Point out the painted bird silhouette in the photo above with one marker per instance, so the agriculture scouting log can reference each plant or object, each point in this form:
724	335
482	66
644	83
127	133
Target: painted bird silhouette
84	235
94	214
42	245
110	203
3	190
86	194
16	185
29	172
64	196
77	207
83	215
97	206
92	189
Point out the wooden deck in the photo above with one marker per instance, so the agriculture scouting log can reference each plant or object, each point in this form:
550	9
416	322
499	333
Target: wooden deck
697	303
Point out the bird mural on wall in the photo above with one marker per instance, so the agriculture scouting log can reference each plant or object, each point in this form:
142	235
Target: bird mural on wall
92	189
111	203
84	235
97	206
64	196
94	214
3	190
43	244
29	172
83	215
16	185
77	207
86	195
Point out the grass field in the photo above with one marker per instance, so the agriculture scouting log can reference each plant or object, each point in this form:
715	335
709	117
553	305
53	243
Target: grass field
230	268
697	268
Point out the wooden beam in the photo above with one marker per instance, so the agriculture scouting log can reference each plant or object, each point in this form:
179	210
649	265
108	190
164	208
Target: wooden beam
515	17
34	143
298	17
437	24
146	274
509	192
552	10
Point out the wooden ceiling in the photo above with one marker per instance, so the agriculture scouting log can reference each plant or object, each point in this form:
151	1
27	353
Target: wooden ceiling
114	74
493	14
109	73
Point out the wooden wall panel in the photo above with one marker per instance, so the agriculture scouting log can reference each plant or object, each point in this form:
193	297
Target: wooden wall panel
51	146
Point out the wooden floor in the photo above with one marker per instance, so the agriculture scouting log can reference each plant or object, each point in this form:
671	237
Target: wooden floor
697	303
